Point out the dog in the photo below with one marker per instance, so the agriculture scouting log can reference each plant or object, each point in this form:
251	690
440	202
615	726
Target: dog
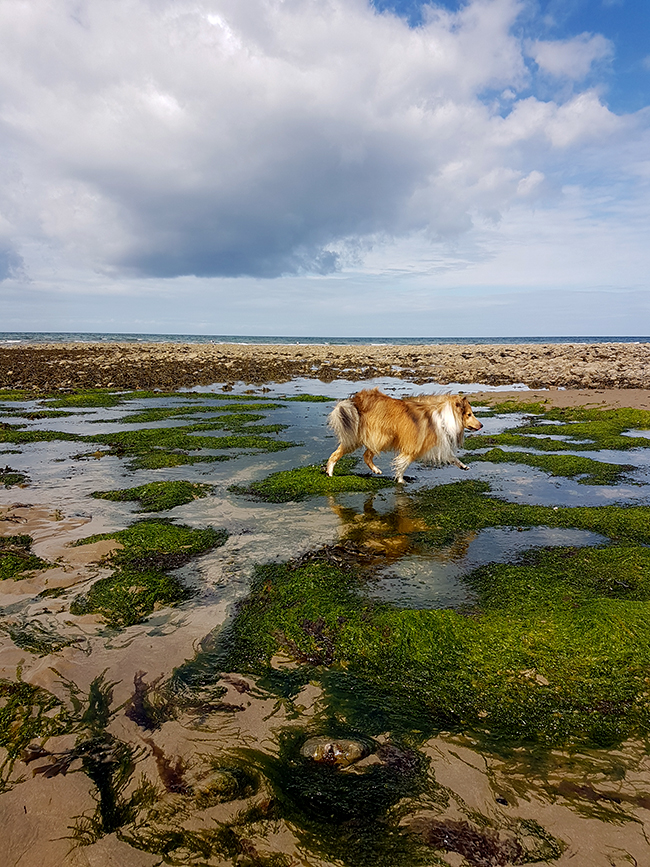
428	427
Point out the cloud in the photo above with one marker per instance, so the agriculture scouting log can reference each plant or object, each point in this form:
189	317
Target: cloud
11	263
161	138
571	58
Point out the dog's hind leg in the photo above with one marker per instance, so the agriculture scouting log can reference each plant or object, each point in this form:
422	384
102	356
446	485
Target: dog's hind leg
368	456
335	457
400	464
344	421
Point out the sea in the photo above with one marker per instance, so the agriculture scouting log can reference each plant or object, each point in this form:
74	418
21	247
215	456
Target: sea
35	337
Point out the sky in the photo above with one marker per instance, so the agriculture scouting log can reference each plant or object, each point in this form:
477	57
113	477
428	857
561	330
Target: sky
325	167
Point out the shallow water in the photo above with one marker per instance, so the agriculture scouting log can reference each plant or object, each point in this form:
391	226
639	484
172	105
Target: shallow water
261	532
435	580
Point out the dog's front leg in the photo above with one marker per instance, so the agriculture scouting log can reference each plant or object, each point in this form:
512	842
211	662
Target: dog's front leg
460	465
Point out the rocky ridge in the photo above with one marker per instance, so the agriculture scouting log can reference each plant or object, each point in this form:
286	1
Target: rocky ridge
172	365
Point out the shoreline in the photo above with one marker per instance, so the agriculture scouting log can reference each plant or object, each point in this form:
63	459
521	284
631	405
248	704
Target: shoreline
171	366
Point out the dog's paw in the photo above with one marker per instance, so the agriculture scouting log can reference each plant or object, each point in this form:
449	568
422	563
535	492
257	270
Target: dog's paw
377	471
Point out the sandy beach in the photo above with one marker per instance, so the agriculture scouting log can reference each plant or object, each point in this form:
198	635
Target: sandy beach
172	365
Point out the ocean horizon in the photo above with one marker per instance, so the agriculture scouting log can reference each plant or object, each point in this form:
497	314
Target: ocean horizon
8	338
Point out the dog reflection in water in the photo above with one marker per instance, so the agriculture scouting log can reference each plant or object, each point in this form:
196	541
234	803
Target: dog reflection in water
428	428
386	537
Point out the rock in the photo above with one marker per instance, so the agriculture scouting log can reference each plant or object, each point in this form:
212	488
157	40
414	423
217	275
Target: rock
333	751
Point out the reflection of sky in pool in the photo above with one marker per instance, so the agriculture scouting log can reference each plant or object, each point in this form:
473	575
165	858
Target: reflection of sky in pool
435	580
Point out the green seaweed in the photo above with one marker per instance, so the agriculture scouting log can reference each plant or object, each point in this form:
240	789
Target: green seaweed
153	414
554	651
161	460
158	496
585	470
311	481
151	447
35	415
212	395
29	713
150	548
106	397
16	558
462	507
26	712
36	639
349	818
15	394
107	761
584	429
228	840
127	597
309	398
167	437
518	671
569	577
152	542
91	398
9	477
16	434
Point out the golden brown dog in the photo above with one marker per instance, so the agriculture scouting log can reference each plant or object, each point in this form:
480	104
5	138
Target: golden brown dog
428	427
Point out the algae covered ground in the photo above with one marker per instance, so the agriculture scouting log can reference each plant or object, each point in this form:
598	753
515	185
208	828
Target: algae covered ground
158	496
201	653
16	557
141	579
312	481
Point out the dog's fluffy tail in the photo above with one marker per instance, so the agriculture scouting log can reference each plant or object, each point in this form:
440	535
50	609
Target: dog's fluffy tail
344	421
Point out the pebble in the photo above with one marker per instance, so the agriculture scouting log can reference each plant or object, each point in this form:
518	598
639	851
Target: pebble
327	751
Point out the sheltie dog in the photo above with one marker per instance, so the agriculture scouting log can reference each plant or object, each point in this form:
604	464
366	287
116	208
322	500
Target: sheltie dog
427	427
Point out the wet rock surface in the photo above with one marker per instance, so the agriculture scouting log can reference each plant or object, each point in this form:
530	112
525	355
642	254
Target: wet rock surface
328	751
169	366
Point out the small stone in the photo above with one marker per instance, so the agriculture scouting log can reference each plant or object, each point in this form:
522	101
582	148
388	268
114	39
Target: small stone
329	751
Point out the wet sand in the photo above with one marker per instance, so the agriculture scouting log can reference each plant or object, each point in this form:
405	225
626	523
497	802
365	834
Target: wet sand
172	365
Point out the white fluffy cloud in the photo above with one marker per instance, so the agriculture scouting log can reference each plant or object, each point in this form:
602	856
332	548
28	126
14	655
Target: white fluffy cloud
220	138
571	58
